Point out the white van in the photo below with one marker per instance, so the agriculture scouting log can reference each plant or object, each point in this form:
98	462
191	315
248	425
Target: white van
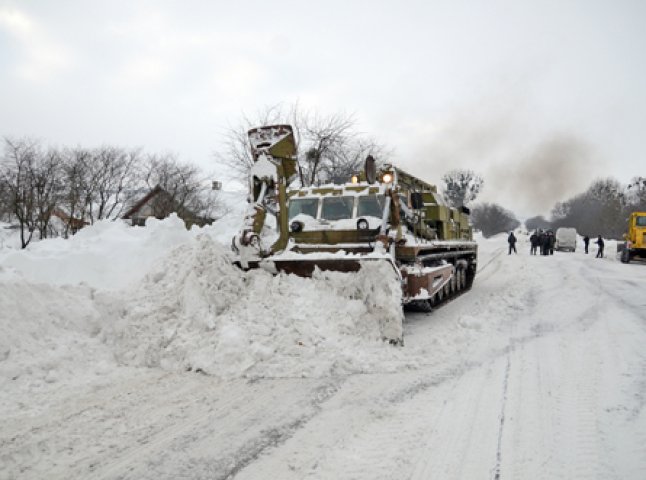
565	239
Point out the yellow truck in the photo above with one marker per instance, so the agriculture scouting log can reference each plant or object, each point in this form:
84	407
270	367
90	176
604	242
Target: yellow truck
635	244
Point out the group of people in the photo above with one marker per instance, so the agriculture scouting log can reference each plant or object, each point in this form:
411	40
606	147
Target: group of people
546	240
599	242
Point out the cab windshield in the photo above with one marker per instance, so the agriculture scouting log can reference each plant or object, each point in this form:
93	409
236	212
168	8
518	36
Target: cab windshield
371	206
337	208
305	206
640	221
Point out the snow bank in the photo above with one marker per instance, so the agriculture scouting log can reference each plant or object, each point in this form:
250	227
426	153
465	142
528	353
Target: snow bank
108	255
48	334
196	311
162	296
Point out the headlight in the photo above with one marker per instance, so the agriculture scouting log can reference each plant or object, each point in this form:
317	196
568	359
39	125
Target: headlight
387	178
296	227
362	224
354	179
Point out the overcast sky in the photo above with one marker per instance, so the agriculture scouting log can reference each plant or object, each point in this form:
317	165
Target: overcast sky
539	97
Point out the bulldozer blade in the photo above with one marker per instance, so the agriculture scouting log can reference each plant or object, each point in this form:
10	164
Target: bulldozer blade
305	268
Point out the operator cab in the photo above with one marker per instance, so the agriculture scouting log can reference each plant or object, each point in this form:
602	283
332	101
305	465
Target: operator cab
337	211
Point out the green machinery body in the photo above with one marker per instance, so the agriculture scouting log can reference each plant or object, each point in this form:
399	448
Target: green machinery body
380	214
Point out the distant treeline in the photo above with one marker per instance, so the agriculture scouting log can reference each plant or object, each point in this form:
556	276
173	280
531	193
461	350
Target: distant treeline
82	185
601	210
491	218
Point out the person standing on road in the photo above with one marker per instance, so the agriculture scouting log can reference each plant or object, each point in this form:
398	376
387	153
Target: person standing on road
601	245
586	242
545	244
534	241
512	243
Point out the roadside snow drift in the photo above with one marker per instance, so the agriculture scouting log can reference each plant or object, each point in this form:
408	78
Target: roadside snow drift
107	255
165	297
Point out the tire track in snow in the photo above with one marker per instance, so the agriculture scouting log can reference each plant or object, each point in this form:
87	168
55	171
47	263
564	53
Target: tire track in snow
273	437
624	425
253	408
485	267
459	441
305	451
157	442
98	415
452	449
503	404
572	359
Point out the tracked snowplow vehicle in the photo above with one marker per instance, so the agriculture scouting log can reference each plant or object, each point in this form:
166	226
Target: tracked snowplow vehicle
381	215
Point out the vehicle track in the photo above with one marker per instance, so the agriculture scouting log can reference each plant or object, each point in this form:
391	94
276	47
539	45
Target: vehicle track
496	469
160	440
259	409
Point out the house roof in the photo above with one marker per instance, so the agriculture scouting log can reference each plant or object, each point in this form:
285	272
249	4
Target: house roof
135	208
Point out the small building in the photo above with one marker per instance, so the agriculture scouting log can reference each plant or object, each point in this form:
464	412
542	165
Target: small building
73	223
158	203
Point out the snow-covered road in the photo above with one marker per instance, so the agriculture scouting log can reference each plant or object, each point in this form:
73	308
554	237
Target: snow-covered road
538	372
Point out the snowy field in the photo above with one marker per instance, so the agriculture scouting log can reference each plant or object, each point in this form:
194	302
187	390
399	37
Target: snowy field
141	353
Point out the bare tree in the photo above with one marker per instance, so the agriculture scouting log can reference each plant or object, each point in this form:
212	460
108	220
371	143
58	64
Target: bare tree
78	192
600	210
581	212
32	185
47	185
329	147
492	219
327	137
610	198
18	161
536	222
114	173
636	194
6	211
80	184
186	191
350	159
560	211
461	187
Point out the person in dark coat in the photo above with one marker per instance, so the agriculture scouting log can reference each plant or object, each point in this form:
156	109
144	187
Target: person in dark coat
586	242
512	242
545	244
534	241
552	241
601	245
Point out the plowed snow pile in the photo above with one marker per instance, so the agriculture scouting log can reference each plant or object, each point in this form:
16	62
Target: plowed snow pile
48	334
165	297
196	311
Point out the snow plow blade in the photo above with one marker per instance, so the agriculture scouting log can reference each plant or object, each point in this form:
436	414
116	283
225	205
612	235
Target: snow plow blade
305	268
